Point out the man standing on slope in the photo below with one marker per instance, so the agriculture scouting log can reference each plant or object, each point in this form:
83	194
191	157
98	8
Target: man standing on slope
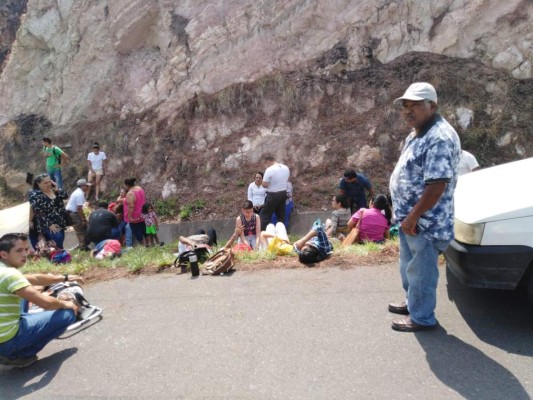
54	159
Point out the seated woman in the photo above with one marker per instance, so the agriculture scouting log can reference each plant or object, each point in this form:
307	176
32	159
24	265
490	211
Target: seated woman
374	225
46	201
251	223
337	226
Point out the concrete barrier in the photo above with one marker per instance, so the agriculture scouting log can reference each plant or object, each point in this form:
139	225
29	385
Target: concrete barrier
300	224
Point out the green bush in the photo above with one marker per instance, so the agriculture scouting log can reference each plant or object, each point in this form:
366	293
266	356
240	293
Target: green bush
166	207
186	211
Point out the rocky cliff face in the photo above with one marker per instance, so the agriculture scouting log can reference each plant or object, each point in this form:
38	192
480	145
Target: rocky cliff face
187	95
10	12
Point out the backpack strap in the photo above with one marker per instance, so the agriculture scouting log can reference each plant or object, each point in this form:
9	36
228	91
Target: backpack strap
82	300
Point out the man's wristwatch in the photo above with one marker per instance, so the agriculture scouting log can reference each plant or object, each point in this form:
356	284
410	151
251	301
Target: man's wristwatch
66	277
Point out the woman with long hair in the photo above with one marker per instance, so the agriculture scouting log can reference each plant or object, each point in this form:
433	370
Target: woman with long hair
376	220
46	201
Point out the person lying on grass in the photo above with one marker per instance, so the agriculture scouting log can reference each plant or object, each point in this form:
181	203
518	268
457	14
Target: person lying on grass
314	246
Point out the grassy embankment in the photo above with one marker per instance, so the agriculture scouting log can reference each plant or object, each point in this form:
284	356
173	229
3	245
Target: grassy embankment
156	259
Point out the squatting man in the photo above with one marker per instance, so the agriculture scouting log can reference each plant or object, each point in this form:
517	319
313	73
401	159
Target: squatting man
23	334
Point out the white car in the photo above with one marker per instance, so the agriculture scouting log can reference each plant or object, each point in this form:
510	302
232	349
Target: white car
493	246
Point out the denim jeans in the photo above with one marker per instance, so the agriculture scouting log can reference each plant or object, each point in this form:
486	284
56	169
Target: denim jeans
129	236
420	275
36	330
56	177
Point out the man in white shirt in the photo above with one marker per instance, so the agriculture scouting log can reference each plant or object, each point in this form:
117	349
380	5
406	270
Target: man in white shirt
275	182
75	209
467	163
97	167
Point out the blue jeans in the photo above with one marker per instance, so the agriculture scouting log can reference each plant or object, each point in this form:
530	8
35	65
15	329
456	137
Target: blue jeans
420	275
56	177
36	330
129	236
58	237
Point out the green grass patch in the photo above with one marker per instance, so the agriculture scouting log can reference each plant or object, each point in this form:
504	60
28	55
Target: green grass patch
134	260
138	258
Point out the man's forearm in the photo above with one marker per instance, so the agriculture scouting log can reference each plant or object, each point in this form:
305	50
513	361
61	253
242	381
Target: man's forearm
49	279
431	195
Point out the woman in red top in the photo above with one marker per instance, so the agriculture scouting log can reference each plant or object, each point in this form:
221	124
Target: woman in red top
135	199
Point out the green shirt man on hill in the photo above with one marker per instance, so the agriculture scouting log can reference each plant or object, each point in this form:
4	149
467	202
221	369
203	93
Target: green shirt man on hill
55	157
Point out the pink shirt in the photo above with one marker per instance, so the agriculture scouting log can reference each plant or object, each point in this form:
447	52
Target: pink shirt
140	199
373	225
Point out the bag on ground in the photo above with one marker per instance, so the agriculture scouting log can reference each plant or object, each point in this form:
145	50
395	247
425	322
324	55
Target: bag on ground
220	262
60	256
353	236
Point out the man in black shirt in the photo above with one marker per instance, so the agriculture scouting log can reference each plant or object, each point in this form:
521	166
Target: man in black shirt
101	224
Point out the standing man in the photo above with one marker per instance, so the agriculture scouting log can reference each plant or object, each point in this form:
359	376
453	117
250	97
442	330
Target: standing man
54	158
275	183
23	335
75	209
422	187
96	161
353	186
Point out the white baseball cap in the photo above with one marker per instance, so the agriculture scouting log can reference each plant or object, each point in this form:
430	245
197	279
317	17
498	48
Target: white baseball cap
82	182
419	91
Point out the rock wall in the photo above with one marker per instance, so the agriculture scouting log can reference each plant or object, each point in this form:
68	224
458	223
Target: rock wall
187	95
10	12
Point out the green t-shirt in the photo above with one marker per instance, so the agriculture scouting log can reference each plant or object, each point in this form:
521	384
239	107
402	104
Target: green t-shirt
52	163
11	280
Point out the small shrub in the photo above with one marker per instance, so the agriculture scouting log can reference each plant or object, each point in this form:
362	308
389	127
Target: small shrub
166	207
186	211
199	204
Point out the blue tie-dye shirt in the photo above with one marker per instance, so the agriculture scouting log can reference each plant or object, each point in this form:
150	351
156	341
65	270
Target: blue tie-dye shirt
431	156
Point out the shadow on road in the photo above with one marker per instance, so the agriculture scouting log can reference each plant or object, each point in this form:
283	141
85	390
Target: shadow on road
16	383
501	318
467	370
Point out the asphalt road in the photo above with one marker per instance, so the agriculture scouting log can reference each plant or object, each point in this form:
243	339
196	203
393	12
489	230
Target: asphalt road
318	333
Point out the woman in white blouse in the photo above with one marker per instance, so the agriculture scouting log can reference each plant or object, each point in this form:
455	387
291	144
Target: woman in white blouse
256	192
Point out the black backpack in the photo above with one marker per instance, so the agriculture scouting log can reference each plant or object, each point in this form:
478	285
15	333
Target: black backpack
57	153
182	260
